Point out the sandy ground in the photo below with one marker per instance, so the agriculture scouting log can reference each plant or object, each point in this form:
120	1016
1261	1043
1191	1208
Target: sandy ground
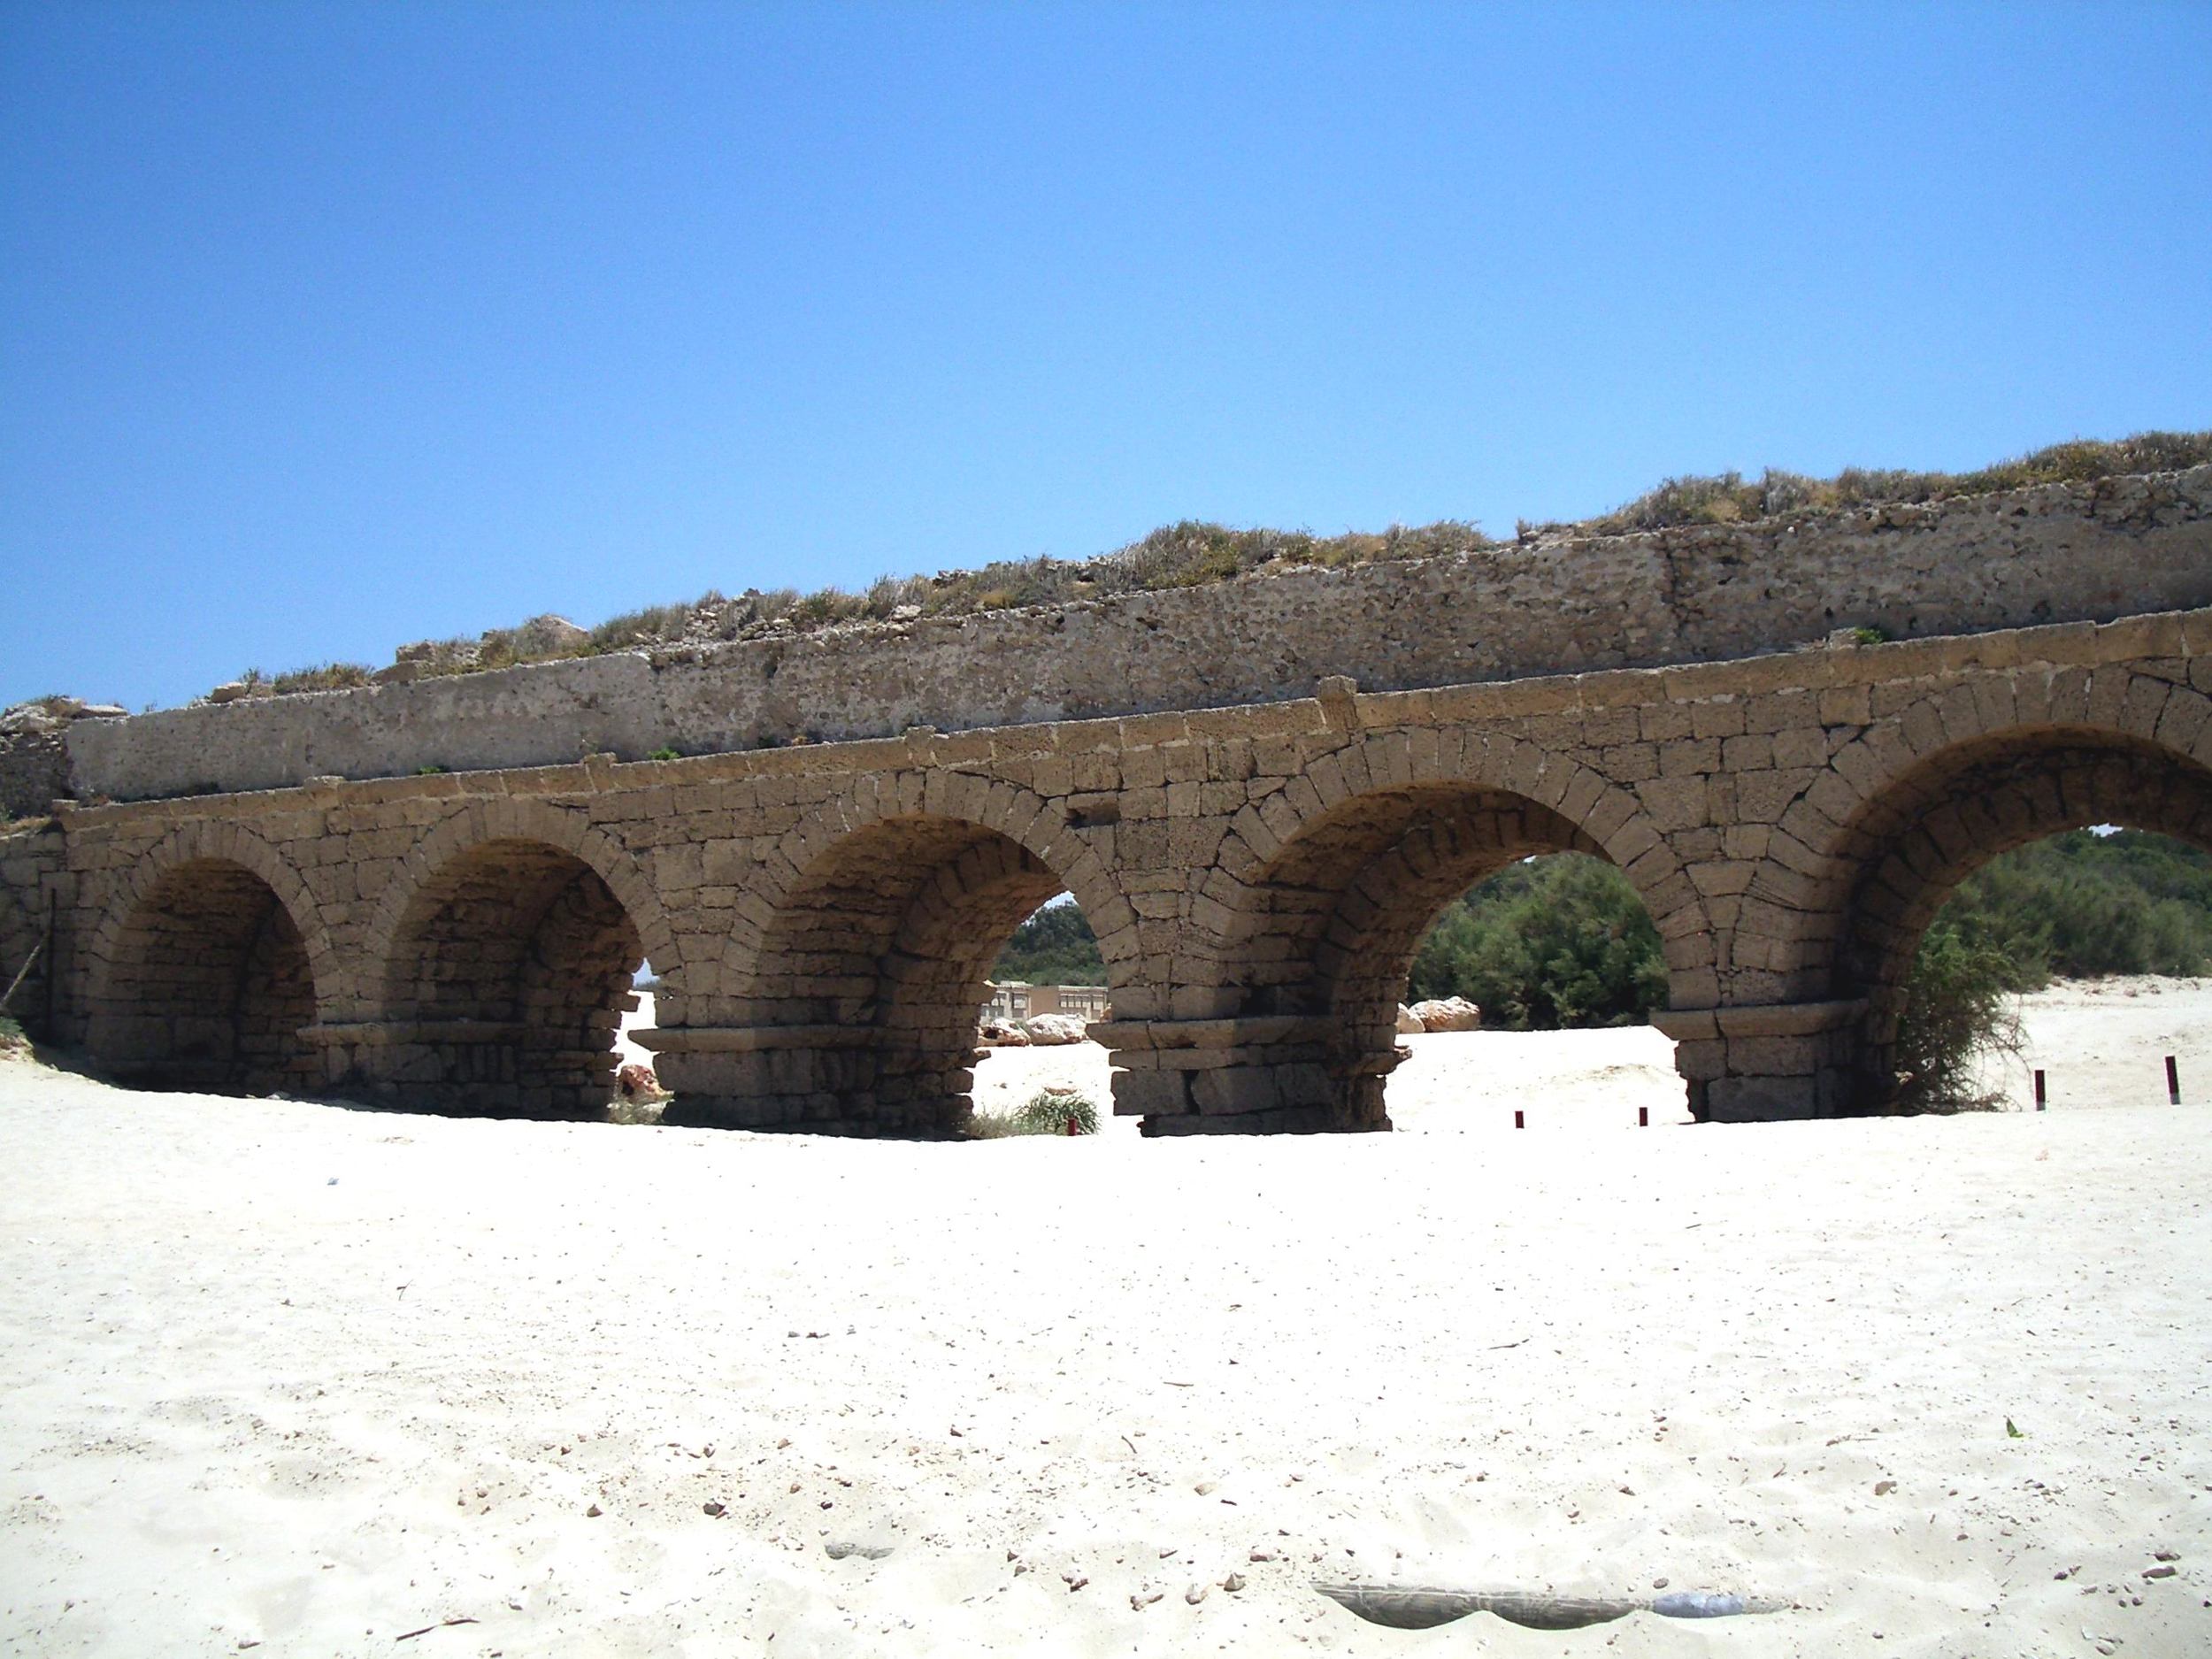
312	1379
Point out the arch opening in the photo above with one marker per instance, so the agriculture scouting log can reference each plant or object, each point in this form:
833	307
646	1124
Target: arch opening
1337	923
867	989
1915	845
208	988
507	981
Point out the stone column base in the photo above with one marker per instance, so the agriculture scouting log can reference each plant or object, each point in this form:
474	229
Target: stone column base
1271	1074
810	1080
1767	1063
462	1068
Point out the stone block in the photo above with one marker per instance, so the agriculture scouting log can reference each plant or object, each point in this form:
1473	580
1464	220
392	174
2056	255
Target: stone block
1744	1100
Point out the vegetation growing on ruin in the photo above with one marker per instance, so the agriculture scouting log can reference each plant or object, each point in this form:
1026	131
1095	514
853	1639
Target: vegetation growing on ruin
1730	498
323	677
1192	554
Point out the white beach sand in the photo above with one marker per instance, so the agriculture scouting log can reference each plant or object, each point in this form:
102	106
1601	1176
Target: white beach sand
313	1379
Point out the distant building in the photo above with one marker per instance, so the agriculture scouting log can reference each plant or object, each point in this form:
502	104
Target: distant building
1018	1000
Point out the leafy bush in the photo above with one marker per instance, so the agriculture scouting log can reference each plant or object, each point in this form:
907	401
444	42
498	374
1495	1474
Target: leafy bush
1546	943
1046	1112
12	1038
2081	904
1054	947
2076	905
1959	1006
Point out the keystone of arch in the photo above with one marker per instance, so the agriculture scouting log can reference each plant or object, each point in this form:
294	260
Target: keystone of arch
228	843
566	829
1023	818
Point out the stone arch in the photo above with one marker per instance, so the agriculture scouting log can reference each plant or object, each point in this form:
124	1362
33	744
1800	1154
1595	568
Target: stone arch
918	797
1324	892
1391	821
500	963
566	829
207	965
1869	854
860	967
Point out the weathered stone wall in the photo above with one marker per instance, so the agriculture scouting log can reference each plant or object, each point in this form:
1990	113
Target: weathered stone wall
34	883
823	916
2057	553
34	772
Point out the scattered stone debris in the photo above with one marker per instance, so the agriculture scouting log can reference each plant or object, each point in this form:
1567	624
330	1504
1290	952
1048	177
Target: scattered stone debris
1048	1029
1448	1013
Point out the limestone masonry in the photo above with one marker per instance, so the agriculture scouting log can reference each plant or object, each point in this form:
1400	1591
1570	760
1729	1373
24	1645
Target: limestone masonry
2061	553
1261	793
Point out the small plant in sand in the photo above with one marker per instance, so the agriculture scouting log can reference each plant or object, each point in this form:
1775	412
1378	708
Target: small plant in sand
1048	1112
638	1096
632	1110
12	1042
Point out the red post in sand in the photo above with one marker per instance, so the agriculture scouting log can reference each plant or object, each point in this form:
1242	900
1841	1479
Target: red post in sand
1517	1124
2173	1083
1074	1128
1643	1117
2039	1088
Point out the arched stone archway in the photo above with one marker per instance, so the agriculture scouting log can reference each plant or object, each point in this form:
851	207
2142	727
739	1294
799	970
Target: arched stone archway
1943	820
565	831
1863	860
853	989
498	965
1325	894
204	969
503	985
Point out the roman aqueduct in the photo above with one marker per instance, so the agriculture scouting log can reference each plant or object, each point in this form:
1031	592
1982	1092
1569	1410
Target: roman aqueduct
1261	793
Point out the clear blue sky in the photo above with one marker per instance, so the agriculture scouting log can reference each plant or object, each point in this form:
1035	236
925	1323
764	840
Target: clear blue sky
324	328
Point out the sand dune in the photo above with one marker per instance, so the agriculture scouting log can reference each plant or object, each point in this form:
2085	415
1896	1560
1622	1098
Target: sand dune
313	1379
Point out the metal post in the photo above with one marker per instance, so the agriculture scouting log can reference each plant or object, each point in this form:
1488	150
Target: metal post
2173	1083
1643	1117
2039	1088
1518	1122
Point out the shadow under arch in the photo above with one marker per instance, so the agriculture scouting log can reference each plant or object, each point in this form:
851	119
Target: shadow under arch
23	965
499	965
854	995
1314	956
1928	827
208	968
